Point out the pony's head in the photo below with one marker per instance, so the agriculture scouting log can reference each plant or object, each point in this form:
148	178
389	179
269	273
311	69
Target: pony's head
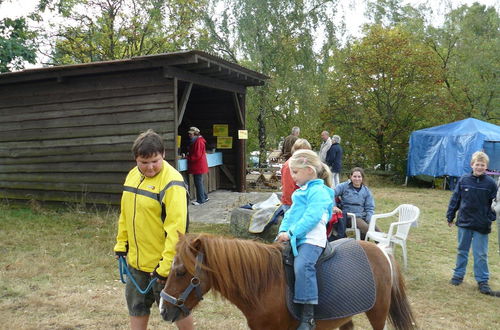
187	282
239	270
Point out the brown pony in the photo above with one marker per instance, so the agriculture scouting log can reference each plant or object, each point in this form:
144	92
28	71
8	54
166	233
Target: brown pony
251	276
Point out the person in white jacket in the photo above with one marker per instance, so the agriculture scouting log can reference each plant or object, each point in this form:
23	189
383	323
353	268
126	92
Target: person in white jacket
325	145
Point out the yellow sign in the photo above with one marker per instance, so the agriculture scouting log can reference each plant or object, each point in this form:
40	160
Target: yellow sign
221	129
242	134
224	142
178	141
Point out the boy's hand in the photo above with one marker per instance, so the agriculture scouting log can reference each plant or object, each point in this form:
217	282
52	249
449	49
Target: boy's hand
120	254
160	279
451	223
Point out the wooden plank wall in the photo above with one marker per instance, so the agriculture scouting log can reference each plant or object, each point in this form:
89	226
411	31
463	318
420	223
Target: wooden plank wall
211	181
70	141
205	108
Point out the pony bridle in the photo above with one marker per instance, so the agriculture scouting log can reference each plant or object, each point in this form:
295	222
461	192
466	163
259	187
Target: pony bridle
194	284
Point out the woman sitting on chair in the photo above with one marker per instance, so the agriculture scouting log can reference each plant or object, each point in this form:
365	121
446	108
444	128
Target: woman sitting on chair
355	197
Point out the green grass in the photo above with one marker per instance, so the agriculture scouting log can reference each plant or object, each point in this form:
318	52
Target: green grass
57	270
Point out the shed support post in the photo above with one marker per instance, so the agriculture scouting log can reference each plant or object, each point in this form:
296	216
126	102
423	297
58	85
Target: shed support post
183	102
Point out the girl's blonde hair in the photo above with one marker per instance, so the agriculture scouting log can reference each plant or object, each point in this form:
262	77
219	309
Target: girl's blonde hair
301	144
303	158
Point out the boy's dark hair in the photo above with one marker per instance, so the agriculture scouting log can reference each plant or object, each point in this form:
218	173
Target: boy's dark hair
148	144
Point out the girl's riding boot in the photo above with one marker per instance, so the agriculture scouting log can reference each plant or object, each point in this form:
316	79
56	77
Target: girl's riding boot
307	318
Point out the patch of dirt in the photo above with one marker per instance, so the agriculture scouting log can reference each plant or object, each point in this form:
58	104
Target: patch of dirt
221	203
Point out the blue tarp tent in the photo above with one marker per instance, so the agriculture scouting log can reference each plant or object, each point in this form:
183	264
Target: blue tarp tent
447	149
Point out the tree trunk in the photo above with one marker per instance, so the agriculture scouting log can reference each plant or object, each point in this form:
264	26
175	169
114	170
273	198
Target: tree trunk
381	152
262	138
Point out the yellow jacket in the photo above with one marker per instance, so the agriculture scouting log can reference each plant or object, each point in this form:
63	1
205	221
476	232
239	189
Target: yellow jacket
153	210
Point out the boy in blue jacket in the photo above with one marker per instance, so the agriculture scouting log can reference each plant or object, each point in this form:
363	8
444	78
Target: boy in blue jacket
472	199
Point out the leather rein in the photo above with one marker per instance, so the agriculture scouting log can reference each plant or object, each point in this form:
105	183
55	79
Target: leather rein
194	284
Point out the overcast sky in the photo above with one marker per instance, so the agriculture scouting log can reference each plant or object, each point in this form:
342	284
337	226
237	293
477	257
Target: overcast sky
353	10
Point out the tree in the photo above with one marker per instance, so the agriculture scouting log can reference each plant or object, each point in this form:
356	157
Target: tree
468	45
99	30
382	87
277	38
17	44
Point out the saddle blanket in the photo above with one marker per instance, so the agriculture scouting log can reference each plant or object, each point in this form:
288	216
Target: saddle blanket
345	284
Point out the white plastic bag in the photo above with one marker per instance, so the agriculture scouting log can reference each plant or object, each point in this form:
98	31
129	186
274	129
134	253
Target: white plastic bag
273	200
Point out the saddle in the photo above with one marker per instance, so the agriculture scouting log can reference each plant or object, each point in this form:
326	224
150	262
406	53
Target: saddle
345	281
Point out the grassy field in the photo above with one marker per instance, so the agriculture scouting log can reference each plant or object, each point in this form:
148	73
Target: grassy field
57	271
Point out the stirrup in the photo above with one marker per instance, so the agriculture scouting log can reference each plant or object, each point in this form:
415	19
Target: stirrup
307	325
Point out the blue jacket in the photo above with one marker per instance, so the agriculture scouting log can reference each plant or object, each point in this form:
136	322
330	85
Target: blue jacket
472	199
359	202
309	203
334	157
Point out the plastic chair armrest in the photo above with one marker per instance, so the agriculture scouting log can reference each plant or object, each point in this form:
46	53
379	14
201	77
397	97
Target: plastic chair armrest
374	218
393	225
353	219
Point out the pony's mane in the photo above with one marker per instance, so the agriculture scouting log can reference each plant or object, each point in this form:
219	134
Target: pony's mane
238	269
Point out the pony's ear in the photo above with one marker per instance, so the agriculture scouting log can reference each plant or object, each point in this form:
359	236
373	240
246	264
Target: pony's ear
197	243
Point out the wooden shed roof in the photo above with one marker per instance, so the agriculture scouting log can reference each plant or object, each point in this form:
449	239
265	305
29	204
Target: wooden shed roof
183	65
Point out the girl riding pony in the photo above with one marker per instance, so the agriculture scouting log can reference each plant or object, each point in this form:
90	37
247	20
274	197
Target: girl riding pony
304	225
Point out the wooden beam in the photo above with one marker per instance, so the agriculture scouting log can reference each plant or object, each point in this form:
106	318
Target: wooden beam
40	136
75	70
15	153
226	171
92	139
239	113
57	158
115	188
183	102
103	109
61	196
89	121
100	178
31	104
69	167
171	72
241	174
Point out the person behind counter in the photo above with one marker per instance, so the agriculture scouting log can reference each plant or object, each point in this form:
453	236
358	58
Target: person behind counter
197	163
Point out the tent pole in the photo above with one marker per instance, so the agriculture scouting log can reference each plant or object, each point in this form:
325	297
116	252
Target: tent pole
406	181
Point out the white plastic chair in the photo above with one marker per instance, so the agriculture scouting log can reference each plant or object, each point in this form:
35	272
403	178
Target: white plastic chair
353	227
398	231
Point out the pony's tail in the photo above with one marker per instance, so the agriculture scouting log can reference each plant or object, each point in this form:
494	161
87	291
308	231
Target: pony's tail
400	313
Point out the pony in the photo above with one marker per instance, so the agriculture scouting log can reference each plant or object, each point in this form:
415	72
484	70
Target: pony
251	276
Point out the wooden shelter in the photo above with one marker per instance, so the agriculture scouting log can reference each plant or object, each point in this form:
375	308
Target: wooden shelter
66	131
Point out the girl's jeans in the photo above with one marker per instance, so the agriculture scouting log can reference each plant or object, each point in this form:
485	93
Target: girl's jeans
306	285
